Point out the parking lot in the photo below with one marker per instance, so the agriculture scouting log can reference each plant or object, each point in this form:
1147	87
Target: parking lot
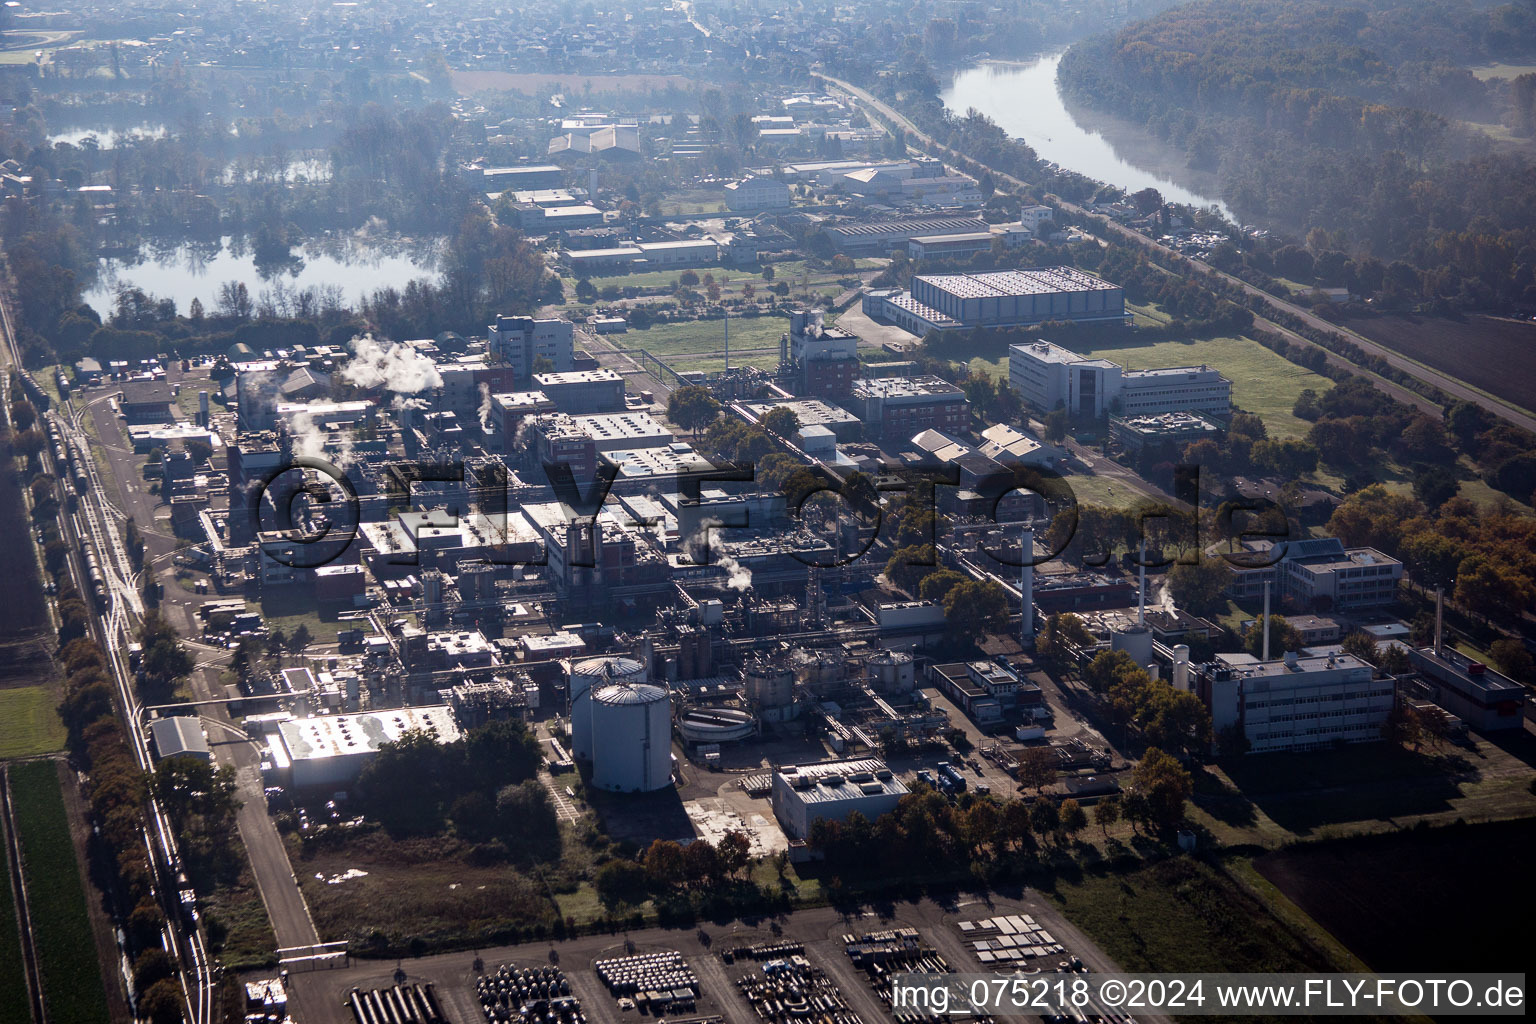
320	997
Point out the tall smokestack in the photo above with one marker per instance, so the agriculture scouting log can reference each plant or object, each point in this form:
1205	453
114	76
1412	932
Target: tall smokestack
1027	590
1266	623
1141	598
1439	619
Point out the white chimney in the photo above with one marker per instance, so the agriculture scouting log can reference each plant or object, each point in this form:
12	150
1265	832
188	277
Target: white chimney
1027	589
1265	623
1439	620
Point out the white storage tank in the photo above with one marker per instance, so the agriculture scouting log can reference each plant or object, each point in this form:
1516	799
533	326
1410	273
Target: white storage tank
587	675
631	738
1135	641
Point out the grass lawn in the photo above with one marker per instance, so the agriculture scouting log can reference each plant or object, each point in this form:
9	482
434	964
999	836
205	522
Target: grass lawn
1149	315
287	612
29	725
1095	490
66	949
1184	915
700	344
1262	382
14	1001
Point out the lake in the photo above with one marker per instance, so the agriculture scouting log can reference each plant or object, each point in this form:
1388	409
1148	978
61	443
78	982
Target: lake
192	271
1023	99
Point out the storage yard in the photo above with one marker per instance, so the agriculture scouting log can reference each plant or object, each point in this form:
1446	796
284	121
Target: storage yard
738	972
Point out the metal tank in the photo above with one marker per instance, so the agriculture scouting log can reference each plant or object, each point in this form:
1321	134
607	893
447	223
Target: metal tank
631	738
587	675
892	672
769	683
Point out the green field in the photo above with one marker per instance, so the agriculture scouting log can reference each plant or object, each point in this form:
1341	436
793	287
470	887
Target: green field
1262	382
14	1002
699	344
1183	915
29	725
66	949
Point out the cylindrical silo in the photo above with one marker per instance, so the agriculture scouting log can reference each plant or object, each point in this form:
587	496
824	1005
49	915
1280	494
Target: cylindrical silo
587	675
1181	667
892	672
631	738
771	684
1135	641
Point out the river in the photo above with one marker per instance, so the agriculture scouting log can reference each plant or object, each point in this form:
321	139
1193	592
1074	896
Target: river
1024	100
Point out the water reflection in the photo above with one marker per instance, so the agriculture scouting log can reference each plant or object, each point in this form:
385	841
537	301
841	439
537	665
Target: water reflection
184	271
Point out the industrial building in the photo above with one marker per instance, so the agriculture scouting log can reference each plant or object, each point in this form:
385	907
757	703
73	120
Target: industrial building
874	238
1010	298
1170	428
825	359
904	406
1482	698
831	791
756	193
583	391
964	244
520	341
1316	572
330	751
1049	377
179	736
1298	702
810	412
692	252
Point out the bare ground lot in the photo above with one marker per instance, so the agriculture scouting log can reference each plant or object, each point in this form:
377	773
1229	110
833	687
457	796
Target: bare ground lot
1493	354
469	82
1418	899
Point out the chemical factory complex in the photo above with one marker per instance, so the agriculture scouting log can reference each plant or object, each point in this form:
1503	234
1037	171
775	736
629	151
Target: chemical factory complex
480	657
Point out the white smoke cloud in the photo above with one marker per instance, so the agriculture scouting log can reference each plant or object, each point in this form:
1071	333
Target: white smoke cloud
485	407
393	366
308	437
706	547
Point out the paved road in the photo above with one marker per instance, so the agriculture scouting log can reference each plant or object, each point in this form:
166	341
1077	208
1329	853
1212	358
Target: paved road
289	914
1451	386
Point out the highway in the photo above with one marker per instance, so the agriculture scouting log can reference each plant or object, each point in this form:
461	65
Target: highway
1450	385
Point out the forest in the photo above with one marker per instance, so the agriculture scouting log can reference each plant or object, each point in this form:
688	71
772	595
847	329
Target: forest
1360	126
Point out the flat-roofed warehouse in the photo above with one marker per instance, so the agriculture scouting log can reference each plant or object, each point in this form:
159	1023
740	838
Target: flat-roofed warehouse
1017	298
832	790
329	751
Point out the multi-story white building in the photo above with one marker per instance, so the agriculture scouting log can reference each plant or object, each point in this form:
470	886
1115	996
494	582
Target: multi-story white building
1048	376
519	341
1313	569
1295	703
755	193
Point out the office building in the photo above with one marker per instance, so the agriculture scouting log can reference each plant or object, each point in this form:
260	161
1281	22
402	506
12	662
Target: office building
1317	572
520	341
1295	703
904	406
1048	377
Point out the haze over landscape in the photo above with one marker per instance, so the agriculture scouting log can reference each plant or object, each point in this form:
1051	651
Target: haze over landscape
732	512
